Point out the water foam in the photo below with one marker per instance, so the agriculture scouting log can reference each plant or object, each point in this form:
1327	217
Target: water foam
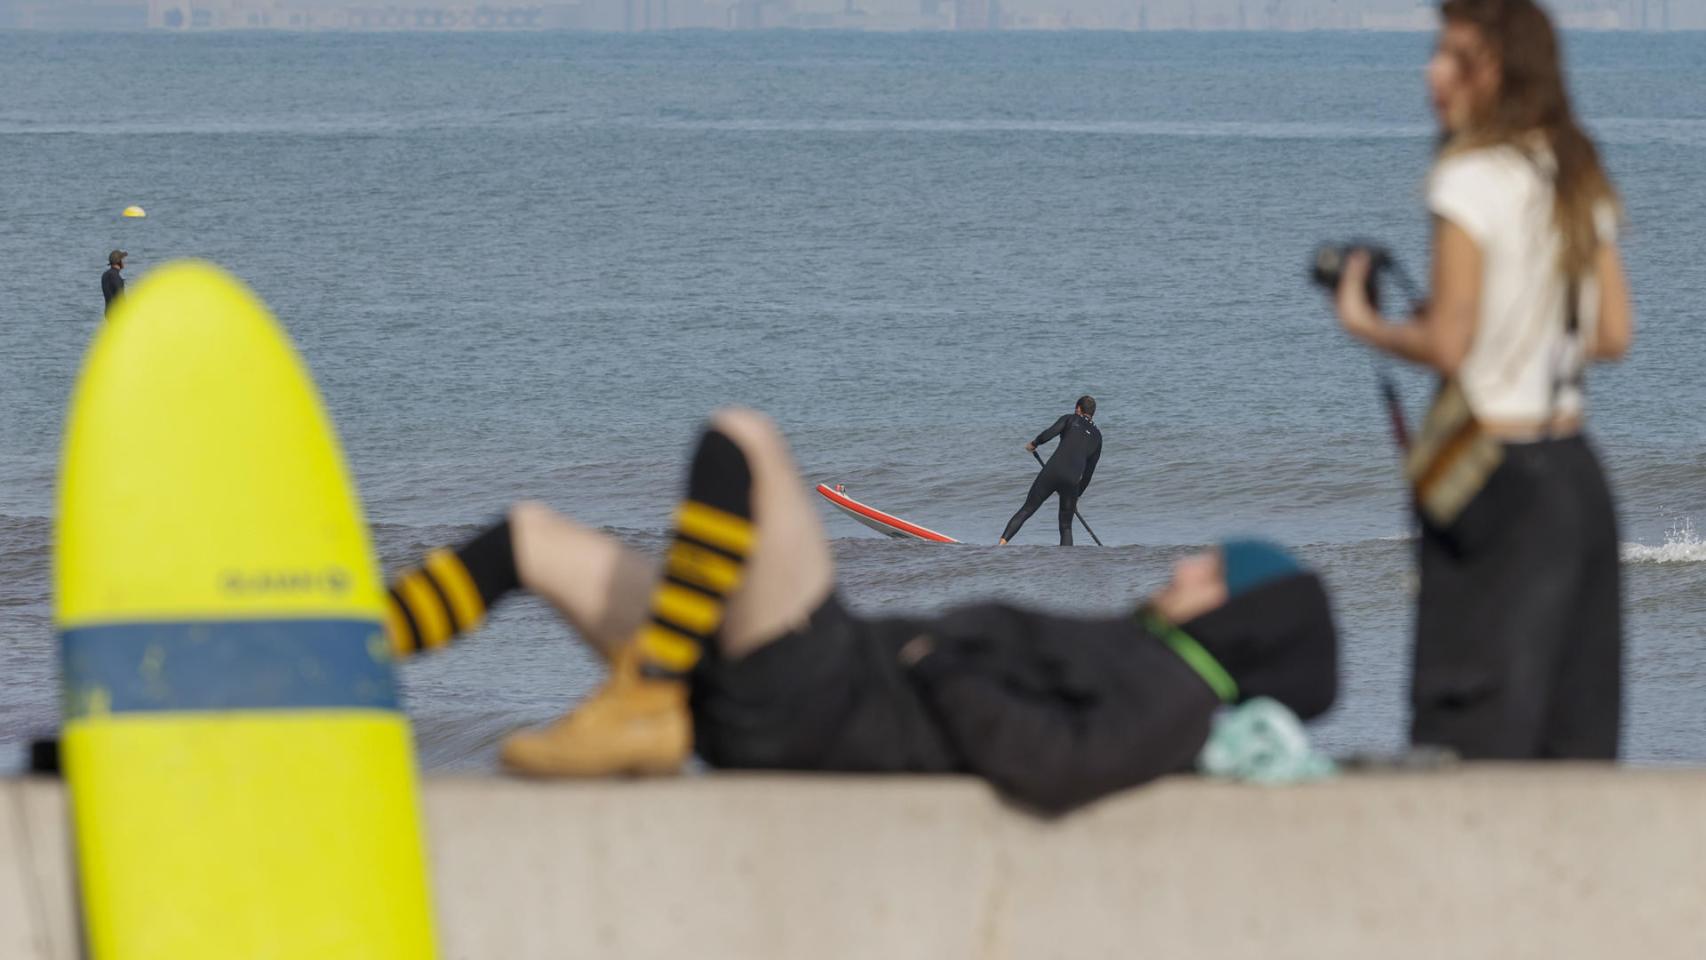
1682	545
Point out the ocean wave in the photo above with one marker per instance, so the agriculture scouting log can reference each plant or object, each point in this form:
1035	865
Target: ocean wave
1195	129
340	127
1682	544
358	125
1667	131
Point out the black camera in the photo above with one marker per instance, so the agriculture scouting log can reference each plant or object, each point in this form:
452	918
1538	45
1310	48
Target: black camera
1328	265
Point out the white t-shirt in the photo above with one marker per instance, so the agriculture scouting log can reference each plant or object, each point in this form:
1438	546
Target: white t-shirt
1502	198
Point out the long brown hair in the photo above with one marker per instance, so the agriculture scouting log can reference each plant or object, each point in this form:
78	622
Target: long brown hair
1532	100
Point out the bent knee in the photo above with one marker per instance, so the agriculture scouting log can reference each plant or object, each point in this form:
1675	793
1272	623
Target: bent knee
528	514
752	431
534	528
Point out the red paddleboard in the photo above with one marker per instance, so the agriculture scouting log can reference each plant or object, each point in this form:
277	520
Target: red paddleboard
877	520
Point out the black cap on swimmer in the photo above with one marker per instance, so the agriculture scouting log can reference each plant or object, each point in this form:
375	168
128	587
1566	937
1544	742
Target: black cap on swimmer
1274	634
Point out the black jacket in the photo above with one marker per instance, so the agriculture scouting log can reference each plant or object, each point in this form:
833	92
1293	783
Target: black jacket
1058	711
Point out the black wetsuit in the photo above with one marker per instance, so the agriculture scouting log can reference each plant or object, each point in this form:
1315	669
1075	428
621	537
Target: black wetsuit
1066	475
112	284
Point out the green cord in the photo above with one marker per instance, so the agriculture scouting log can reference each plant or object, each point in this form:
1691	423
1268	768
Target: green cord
1195	657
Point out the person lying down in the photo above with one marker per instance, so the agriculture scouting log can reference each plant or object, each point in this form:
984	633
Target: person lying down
740	649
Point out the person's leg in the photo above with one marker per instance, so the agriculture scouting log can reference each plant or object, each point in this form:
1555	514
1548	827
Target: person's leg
428	606
599	586
638	721
594	582
1068	506
1457	689
747	562
1033	499
790	572
1587	700
1489	626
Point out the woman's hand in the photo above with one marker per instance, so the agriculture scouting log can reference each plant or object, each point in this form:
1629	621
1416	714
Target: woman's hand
1356	314
1030	447
1440	332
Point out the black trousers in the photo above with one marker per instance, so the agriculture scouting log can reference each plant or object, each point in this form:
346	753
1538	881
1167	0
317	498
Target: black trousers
1048	483
830	695
1519	646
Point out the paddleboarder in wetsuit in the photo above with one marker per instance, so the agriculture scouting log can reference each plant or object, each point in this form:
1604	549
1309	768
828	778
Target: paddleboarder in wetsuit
1067	473
112	282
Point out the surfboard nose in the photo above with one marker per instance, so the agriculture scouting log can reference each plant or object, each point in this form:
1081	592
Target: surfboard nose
242	778
200	471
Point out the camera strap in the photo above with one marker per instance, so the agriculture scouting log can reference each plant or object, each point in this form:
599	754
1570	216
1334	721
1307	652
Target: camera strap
1567	371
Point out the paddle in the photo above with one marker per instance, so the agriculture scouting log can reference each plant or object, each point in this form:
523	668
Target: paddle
1075	512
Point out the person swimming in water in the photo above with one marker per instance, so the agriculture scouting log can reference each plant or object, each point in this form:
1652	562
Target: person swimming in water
1068	471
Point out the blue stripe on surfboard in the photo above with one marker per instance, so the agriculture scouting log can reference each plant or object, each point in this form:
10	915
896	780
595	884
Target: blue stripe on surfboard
226	665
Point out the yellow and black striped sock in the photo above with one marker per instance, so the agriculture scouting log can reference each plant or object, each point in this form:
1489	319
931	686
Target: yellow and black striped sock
706	559
450	592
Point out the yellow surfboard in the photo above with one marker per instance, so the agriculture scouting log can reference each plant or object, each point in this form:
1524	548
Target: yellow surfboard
242	778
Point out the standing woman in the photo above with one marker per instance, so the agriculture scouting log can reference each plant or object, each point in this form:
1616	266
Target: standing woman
1519	636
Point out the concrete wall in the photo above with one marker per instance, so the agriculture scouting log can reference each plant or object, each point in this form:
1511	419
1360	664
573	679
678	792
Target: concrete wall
36	917
1495	862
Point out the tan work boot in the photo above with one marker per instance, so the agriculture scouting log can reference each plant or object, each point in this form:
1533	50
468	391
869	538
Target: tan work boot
632	725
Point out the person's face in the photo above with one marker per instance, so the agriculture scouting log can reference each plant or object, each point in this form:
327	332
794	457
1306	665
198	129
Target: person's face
1198	586
1463	76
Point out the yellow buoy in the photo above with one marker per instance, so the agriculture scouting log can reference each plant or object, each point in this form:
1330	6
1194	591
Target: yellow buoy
135	212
